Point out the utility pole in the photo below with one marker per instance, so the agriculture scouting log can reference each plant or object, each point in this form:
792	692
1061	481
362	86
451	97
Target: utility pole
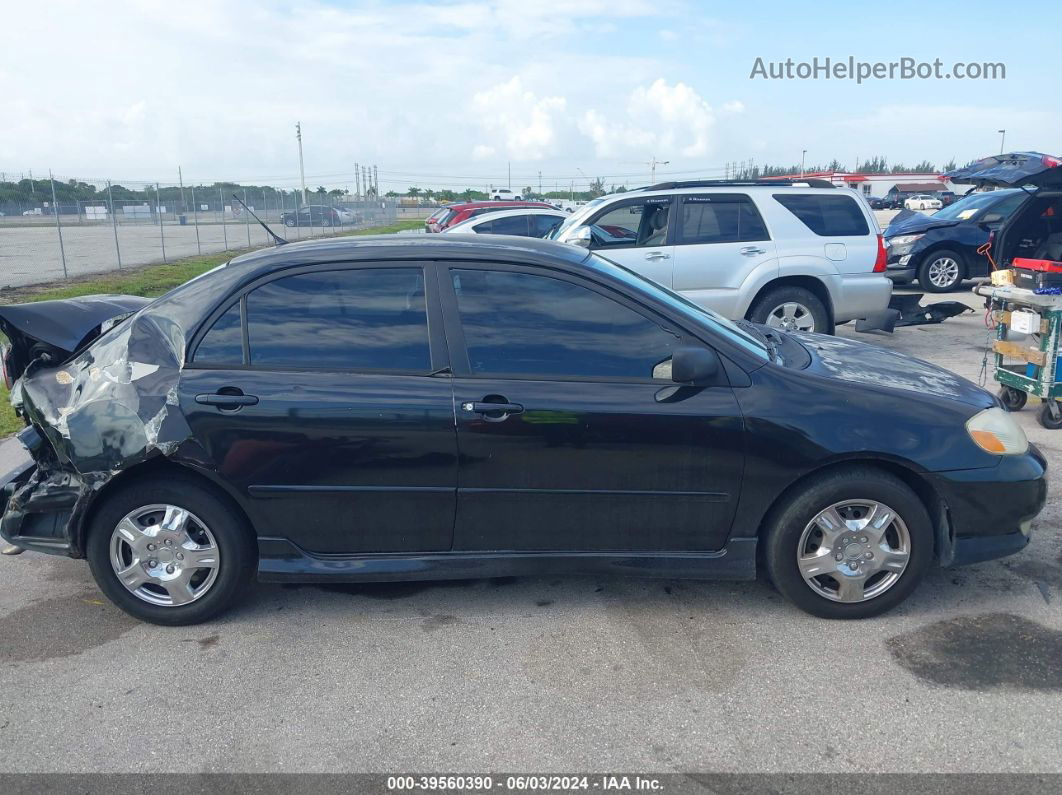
509	165
540	184
357	182
375	182
803	153
302	168
653	163
1002	138
180	181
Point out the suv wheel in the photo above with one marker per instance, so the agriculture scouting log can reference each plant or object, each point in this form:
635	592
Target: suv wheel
941	271
853	543
169	551
791	309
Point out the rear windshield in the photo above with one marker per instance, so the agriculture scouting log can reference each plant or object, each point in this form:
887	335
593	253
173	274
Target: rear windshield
446	216
827	216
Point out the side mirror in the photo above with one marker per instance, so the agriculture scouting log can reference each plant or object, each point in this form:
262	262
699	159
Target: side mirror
581	236
695	365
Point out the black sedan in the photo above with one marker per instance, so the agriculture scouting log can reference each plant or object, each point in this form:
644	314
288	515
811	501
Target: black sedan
400	408
940	250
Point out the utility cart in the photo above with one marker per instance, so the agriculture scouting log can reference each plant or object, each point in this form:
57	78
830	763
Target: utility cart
1017	312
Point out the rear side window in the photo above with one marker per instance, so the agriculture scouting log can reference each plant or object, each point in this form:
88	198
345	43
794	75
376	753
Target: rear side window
513	225
719	219
223	344
364	319
828	216
542	225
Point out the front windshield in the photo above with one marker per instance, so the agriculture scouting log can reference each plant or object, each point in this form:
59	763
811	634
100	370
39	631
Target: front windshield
970	207
699	314
575	218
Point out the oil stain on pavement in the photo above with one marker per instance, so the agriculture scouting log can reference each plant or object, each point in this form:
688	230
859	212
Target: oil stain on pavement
998	650
62	626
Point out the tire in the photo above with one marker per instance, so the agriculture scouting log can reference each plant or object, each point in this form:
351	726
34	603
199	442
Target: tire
1046	420
1012	399
775	307
214	532
941	271
289	222
869	590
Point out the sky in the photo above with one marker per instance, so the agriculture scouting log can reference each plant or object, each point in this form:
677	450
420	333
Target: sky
463	94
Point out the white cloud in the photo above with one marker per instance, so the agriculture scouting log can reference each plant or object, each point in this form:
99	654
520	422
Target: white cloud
519	120
669	120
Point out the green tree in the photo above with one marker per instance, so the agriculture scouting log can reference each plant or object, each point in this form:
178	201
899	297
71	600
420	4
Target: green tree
413	192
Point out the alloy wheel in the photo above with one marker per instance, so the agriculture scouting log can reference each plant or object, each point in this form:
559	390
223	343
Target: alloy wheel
164	555
854	551
943	272
791	316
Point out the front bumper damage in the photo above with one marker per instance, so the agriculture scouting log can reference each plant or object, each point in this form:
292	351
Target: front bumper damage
108	409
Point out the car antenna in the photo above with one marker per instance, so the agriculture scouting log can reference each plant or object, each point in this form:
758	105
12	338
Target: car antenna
277	239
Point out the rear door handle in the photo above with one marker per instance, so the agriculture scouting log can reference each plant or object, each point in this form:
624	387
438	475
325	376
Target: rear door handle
479	407
752	251
657	255
223	401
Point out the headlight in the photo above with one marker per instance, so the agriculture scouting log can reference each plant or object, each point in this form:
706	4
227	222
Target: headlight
995	431
904	240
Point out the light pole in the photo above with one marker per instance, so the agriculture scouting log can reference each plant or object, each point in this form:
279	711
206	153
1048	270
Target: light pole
653	163
803	153
302	168
1002	138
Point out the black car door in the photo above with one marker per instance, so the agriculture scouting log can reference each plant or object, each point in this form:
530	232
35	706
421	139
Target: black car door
317	393
590	446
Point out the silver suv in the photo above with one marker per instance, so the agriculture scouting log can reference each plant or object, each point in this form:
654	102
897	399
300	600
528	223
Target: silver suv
789	254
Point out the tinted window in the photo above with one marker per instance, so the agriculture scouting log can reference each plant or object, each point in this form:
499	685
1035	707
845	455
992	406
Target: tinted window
542	225
514	225
223	344
367	319
522	324
634	223
829	216
719	219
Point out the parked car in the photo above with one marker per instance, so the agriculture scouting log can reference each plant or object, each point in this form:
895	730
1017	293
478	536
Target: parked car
317	215
922	201
778	253
947	197
504	194
524	222
459	213
941	250
431	222
877	203
295	414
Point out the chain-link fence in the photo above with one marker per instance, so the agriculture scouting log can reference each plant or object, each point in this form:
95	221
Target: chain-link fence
52	230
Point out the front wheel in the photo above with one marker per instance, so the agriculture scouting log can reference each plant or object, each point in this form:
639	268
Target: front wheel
1050	415
289	222
791	309
169	551
853	543
941	271
1012	399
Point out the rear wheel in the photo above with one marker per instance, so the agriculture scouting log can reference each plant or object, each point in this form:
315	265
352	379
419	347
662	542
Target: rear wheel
791	308
941	271
1012	399
169	551
852	543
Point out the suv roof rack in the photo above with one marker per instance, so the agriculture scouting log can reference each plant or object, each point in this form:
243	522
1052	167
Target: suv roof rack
811	182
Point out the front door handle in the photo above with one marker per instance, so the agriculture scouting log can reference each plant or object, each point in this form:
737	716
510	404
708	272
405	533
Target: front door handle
752	251
481	407
224	401
655	255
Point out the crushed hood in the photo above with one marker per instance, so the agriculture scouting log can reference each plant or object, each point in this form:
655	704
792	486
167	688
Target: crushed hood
1011	170
908	222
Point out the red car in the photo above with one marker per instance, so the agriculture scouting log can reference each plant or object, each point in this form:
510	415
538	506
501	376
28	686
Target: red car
456	213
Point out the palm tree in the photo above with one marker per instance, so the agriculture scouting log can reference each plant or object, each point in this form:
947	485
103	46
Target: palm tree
413	192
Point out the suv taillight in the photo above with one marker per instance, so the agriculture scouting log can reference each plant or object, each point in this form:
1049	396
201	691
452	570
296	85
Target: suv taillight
883	257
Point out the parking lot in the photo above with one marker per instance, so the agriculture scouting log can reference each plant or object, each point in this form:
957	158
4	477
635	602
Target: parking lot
550	674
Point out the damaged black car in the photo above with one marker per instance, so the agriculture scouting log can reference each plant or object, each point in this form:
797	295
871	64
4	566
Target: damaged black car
398	408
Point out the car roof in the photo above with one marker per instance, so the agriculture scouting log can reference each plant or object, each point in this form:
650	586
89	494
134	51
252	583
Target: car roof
515	211
414	247
521	202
